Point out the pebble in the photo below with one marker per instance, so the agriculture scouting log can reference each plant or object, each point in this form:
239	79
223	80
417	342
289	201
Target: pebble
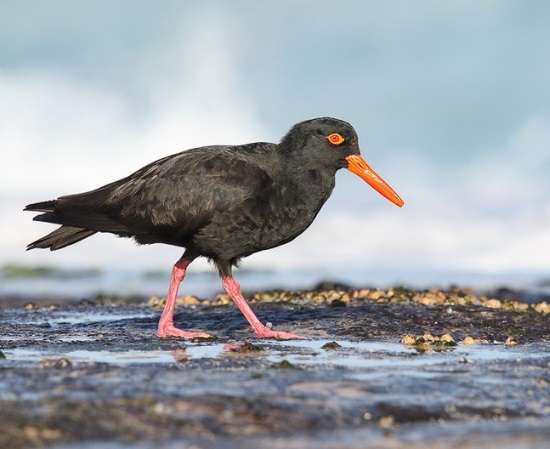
55	363
542	307
386	421
511	341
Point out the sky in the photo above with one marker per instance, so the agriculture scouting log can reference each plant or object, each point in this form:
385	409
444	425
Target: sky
451	101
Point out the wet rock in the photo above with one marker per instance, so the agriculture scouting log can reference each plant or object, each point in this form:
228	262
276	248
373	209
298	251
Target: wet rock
428	342
283	364
337	303
242	347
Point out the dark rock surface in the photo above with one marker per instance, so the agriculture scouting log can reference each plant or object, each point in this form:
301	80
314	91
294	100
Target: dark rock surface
373	370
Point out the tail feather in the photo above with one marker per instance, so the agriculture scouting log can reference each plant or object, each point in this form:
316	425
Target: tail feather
80	211
61	237
43	206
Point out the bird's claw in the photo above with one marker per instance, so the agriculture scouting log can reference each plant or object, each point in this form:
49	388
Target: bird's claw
172	331
279	335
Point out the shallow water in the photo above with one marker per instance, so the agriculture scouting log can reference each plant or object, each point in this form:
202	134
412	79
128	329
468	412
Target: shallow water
301	352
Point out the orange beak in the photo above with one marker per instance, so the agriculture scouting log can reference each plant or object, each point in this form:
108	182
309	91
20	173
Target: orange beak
357	165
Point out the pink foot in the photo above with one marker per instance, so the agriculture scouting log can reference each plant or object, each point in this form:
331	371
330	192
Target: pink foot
266	332
234	291
172	331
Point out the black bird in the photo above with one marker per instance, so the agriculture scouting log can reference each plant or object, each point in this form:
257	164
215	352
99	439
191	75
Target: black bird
220	202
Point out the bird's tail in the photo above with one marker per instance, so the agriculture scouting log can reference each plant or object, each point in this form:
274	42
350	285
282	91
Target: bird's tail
42	206
62	236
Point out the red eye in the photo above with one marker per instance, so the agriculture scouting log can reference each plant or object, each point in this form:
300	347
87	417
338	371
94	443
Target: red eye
335	139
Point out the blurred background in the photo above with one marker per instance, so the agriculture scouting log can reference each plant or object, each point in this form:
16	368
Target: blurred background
451	101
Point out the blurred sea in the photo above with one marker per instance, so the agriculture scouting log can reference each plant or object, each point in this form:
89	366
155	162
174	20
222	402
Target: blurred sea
51	282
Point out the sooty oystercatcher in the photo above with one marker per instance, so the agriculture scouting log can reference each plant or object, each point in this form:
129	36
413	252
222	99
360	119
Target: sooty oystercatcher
220	202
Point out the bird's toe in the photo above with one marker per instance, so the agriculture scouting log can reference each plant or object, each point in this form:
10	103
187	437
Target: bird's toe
278	335
172	331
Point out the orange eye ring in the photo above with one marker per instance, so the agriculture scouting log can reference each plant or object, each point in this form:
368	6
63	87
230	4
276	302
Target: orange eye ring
335	139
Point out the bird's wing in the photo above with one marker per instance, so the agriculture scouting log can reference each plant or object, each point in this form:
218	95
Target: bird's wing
179	193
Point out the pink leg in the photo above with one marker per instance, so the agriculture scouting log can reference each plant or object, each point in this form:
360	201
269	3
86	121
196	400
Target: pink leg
233	289
166	326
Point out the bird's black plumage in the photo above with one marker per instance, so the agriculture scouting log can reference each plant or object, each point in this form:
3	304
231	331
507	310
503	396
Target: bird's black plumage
220	202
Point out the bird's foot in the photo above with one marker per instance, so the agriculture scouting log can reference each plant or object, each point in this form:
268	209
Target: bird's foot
172	331
266	332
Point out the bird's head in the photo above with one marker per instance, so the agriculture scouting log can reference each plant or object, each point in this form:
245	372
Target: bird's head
334	143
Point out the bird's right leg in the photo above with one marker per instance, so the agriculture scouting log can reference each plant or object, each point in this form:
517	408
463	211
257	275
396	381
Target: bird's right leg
233	289
166	326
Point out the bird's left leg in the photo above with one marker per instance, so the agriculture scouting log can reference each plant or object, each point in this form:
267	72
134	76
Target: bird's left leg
233	289
166	326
